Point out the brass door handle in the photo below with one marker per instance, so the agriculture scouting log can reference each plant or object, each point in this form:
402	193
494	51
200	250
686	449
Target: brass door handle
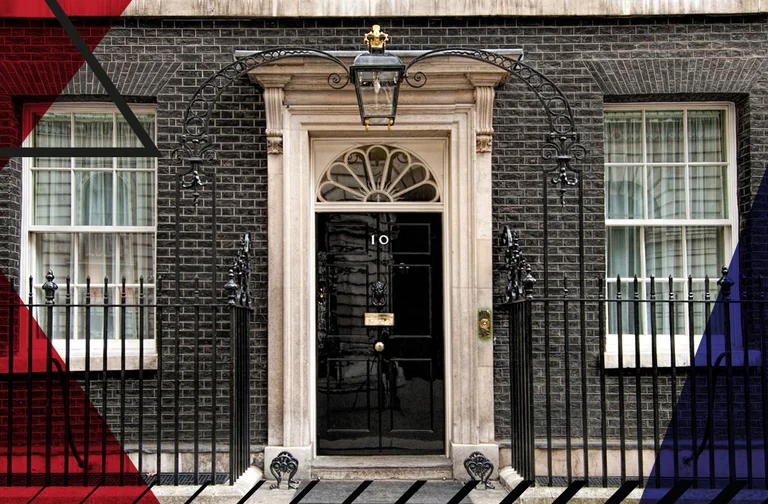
379	346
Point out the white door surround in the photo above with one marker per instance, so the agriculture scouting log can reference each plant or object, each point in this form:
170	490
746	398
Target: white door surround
454	109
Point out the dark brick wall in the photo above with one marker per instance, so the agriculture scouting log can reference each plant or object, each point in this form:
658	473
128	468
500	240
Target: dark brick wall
593	60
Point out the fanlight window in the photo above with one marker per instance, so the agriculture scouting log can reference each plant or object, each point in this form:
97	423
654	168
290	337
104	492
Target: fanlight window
378	173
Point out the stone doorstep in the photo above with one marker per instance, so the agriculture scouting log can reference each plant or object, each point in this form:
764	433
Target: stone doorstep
509	479
382	467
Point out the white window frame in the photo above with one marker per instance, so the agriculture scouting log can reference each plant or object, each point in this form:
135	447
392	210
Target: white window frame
77	347
681	340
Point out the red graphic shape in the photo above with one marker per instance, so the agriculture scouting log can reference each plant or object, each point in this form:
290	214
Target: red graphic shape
37	57
37	61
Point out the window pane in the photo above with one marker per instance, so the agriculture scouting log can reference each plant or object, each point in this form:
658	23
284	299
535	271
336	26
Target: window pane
705	251
623	254
95	257
666	192
53	130
59	326
663	309
135	198
53	251
93	130
136	257
664	136
52	198
127	138
94	198
708	192
705	135
663	252
624	192
94	319
137	319
623	137
627	307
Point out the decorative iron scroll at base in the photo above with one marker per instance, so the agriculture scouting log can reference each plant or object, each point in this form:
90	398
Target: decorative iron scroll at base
282	464
479	468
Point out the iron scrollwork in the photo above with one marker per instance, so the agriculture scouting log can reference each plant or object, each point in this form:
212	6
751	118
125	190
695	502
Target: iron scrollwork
520	280
238	286
562	143
283	464
195	144
479	468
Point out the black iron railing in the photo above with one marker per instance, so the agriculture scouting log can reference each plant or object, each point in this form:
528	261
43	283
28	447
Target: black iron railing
657	382
117	385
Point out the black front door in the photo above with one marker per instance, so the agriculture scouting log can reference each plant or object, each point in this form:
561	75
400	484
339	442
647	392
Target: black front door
380	334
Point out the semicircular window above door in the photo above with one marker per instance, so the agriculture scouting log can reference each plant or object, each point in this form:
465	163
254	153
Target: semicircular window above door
379	174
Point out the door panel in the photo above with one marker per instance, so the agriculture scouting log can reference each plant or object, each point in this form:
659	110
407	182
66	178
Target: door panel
388	401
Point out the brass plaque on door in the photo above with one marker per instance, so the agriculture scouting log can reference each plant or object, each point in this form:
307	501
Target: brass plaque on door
379	319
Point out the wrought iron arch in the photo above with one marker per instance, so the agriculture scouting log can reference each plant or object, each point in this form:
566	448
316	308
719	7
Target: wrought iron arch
562	143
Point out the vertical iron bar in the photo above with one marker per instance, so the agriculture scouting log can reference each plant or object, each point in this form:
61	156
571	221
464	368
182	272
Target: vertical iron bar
545	264
620	331
655	382
214	392
104	415
11	331
547	389
122	379
31	323
692	370
176	398
764	374
196	378
49	301
530	438
582	326
710	382
601	346
214	290
513	419
233	392
673	379
87	402
638	380
65	379
729	384
141	379
159	411
747	398
567	370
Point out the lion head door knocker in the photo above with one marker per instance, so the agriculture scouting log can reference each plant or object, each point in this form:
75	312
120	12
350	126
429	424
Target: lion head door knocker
379	293
283	464
479	468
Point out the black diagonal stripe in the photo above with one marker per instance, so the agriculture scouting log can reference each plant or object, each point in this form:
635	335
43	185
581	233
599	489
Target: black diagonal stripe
90	493
464	492
251	492
197	493
517	492
572	489
675	493
149	150
37	494
729	492
410	492
145	492
304	492
622	492
354	495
